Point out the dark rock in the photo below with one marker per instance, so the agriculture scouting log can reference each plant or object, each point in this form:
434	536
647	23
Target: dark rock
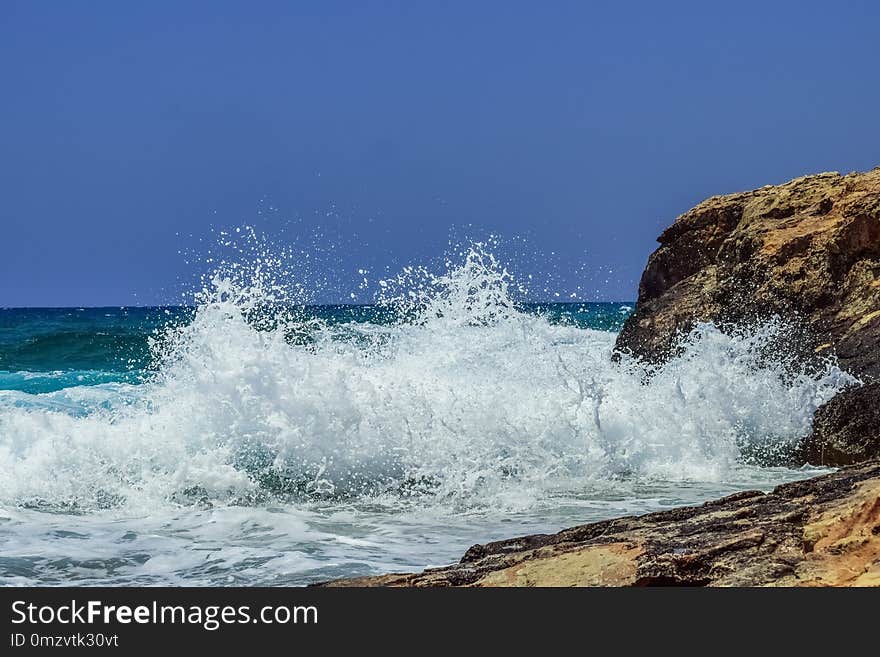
845	430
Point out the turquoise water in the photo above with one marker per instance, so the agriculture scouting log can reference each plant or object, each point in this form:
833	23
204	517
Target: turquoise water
49	349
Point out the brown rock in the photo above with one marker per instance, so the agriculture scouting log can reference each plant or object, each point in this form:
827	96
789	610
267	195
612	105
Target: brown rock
819	532
807	251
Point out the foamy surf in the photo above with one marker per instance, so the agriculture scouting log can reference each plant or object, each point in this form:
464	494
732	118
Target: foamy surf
303	448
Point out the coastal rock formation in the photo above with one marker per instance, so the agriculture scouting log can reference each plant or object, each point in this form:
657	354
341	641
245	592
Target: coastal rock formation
819	532
808	252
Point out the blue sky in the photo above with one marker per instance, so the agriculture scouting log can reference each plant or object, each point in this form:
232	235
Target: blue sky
576	131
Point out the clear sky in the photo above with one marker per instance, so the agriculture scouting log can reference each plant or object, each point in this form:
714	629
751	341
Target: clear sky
577	130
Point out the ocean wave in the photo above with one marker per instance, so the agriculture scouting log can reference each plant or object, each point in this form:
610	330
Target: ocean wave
463	400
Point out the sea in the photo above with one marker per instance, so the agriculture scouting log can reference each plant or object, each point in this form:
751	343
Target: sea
252	438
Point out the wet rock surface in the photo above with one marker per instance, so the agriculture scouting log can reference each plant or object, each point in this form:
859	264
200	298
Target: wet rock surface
846	429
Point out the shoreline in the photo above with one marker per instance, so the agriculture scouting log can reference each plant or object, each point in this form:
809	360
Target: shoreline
823	531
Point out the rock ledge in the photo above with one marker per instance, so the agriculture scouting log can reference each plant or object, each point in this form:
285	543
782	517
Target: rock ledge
823	531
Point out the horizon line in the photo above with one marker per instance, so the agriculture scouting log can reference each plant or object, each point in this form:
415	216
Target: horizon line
304	305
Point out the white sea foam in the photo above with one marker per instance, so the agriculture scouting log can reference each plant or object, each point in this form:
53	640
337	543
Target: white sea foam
464	402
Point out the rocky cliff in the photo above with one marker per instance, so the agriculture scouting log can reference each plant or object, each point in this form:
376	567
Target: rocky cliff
819	532
807	251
